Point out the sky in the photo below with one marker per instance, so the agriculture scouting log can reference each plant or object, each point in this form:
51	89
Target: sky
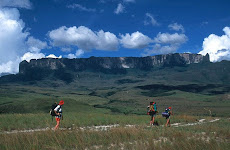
33	29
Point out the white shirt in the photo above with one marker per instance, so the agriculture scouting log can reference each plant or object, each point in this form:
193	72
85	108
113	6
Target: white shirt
58	110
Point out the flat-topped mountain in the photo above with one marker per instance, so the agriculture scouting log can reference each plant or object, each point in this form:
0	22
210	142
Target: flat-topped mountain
193	68
97	63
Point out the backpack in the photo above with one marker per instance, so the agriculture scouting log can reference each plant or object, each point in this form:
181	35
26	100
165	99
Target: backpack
155	107
52	113
151	108
167	110
166	113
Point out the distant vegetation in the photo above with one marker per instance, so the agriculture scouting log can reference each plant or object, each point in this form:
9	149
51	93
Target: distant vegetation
95	97
188	89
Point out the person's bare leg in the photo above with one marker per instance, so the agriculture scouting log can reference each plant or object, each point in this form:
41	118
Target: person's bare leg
153	120
167	122
57	126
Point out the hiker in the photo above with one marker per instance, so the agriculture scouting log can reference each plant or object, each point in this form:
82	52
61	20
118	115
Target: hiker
58	112
166	114
152	110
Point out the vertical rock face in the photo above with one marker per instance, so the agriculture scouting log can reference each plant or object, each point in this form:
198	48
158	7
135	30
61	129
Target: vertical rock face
112	62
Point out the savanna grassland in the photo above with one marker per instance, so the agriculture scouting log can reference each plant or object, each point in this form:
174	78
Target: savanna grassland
94	98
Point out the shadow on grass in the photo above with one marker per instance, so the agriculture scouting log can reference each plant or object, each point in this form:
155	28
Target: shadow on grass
161	89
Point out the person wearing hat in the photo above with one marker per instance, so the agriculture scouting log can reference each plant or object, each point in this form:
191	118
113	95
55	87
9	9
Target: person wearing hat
58	112
169	111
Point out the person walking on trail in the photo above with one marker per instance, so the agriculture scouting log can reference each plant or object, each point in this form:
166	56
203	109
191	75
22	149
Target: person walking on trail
58	112
168	113
152	110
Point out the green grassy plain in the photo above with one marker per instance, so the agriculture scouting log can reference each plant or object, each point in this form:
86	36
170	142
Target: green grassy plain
206	136
95	98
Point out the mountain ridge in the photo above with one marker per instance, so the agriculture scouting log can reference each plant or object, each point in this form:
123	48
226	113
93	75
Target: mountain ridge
80	64
184	68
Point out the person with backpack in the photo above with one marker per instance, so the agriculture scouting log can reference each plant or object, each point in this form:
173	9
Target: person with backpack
58	114
152	110
167	114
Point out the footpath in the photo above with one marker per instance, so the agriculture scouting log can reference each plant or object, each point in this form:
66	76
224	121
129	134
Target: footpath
107	127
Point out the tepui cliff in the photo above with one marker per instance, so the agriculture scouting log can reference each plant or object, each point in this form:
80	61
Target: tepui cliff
97	63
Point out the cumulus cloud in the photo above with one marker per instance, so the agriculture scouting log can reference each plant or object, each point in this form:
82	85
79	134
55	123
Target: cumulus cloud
78	54
160	49
10	66
28	56
84	38
16	3
176	27
165	43
135	40
53	56
12	38
218	47
81	8
174	39
71	56
150	20
15	43
35	45
120	9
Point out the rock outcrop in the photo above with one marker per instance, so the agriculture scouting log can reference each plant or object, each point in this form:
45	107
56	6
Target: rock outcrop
98	63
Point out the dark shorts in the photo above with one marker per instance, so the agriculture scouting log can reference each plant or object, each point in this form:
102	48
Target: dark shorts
168	117
152	114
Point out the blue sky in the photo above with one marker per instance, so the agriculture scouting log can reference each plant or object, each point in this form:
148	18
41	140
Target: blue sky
32	29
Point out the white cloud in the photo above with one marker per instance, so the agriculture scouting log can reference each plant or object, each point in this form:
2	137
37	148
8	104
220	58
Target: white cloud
160	49
166	38
16	3
84	38
227	31
78	54
218	47
120	9
71	56
165	43
81	8
106	41
14	46
35	45
53	56
176	27
10	66
12	38
135	40
28	56
150	20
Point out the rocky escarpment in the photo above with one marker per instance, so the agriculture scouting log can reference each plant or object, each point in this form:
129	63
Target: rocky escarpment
111	63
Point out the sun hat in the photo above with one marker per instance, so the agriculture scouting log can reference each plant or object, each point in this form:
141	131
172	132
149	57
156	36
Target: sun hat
61	102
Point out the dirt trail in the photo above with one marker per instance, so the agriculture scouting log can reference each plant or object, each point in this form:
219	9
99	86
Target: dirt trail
201	121
105	127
